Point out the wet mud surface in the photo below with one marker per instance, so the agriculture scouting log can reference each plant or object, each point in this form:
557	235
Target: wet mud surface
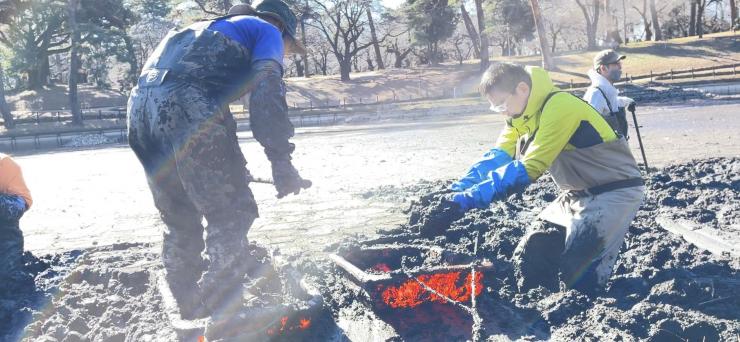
113	293
663	288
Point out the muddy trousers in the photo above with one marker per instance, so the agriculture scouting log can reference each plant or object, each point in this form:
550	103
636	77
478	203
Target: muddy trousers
580	253
11	237
195	170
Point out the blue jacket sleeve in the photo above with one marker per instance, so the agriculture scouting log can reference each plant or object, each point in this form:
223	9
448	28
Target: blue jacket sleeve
492	160
501	183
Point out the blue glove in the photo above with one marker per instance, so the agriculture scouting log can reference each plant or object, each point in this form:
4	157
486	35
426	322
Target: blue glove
501	183
492	160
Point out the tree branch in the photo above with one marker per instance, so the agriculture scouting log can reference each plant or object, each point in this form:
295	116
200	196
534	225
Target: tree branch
202	5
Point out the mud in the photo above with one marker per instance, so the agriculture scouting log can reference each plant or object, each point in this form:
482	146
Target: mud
112	293
20	300
663	288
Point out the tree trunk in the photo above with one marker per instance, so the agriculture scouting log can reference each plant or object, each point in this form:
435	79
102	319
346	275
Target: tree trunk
374	37
648	31
304	55
656	23
700	18
299	68
484	61
692	18
609	17
472	33
595	22
344	69
624	21
38	77
4	108
547	61
369	61
591	22
74	64
733	15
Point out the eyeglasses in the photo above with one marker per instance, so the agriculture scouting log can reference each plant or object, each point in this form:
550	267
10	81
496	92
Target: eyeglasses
499	108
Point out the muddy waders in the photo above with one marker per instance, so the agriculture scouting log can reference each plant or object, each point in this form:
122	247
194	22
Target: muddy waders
584	227
183	134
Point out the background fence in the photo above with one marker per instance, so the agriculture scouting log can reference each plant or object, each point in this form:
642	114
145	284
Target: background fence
332	112
353	103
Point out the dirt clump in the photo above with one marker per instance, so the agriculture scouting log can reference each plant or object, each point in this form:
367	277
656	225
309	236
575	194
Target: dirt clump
21	298
109	295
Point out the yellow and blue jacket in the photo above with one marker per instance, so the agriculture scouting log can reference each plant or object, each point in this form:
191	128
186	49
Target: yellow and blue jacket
564	123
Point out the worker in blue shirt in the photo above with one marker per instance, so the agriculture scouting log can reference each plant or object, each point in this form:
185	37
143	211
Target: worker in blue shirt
182	132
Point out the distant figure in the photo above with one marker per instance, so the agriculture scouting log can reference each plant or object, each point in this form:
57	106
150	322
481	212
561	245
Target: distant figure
603	96
15	199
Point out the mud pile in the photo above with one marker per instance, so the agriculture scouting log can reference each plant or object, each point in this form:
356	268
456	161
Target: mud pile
114	293
109	294
19	299
663	288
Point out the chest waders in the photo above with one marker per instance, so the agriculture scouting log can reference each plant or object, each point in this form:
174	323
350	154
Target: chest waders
603	189
617	119
185	137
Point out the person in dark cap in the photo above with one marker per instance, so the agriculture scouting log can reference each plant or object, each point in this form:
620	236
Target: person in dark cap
182	132
603	96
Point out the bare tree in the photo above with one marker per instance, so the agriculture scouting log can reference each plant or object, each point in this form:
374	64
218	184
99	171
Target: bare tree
559	25
483	35
7	11
74	63
547	61
399	53
342	25
624	21
610	18
591	15
645	21
554	30
700	6
214	7
692	18
303	12
320	57
461	50
656	23
4	108
472	32
374	38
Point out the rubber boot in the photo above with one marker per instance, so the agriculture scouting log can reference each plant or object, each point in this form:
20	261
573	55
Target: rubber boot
537	260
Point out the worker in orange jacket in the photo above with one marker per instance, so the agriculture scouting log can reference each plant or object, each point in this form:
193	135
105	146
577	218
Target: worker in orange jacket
15	199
